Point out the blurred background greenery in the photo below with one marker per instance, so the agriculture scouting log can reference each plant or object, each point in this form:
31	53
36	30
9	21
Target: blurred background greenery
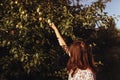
29	49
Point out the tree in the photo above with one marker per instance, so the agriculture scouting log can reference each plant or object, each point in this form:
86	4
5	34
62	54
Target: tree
32	48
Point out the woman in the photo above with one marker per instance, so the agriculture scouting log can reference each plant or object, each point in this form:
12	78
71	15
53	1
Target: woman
81	65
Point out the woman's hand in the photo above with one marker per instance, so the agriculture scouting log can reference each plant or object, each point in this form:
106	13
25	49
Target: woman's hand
52	25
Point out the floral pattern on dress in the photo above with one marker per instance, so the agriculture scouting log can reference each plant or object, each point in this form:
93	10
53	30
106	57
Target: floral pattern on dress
82	75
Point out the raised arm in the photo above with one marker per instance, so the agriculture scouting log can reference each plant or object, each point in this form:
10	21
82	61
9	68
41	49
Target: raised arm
61	41
59	37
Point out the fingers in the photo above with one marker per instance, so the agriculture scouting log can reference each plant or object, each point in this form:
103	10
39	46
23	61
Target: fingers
50	24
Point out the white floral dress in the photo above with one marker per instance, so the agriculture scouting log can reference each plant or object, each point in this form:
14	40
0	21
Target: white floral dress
82	75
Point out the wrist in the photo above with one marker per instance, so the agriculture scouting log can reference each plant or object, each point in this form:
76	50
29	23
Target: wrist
55	29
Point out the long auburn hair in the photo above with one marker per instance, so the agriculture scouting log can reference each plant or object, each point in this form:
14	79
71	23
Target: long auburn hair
80	57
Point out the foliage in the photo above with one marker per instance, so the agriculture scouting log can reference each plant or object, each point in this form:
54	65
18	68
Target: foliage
32	46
